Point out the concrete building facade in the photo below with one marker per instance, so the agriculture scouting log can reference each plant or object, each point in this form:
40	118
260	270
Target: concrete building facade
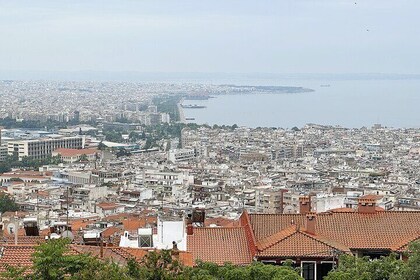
41	148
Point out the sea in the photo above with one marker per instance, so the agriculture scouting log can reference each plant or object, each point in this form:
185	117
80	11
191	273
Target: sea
351	103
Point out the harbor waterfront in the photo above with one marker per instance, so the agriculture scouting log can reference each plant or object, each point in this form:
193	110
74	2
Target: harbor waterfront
350	103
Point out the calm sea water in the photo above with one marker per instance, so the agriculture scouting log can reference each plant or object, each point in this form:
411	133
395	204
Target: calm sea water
349	103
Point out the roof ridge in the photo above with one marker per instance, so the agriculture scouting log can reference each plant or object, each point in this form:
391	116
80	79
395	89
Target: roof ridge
276	237
326	241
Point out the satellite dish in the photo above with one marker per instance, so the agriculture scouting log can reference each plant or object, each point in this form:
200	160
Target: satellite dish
288	209
54	236
11	228
67	234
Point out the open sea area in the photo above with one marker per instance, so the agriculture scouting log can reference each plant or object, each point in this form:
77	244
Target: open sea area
351	103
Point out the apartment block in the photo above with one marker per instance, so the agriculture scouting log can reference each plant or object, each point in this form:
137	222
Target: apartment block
41	148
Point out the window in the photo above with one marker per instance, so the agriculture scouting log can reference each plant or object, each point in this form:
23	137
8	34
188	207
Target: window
308	270
145	241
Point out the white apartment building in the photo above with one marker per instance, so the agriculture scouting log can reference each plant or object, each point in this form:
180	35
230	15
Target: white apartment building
41	148
3	153
177	155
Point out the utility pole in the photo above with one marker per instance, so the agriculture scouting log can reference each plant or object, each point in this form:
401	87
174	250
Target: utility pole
67	208
37	206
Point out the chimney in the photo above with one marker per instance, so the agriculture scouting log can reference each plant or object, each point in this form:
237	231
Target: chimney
190	228
311	223
366	205
304	204
175	250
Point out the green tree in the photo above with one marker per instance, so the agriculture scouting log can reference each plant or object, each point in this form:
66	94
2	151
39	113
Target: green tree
83	158
7	203
412	268
101	146
255	271
5	167
355	268
52	261
97	269
13	272
134	136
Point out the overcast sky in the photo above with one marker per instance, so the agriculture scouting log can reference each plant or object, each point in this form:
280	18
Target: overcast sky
279	36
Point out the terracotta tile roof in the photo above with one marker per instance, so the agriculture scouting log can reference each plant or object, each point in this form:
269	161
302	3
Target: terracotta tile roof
110	231
344	209
220	245
264	225
80	223
275	238
114	254
108	205
380	230
132	224
403	245
185	258
371	196
19	214
22	240
122	255
221	222
16	255
75	152
299	244
295	242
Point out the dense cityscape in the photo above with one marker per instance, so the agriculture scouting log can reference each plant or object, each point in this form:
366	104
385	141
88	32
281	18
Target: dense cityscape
209	140
117	166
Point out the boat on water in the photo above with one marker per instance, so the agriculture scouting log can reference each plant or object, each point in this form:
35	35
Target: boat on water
325	85
190	119
193	106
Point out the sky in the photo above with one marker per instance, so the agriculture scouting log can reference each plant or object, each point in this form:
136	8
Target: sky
211	36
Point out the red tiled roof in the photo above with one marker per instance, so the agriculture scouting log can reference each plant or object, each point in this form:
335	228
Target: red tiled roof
132	224
345	209
22	240
122	255
297	243
184	257
110	231
275	238
16	255
371	196
220	245
221	222
403	245
115	254
108	205
380	230
75	152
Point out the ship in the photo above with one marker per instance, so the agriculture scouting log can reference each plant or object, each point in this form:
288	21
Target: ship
195	106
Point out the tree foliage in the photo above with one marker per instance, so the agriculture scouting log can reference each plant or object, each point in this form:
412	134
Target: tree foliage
384	268
7	203
52	260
